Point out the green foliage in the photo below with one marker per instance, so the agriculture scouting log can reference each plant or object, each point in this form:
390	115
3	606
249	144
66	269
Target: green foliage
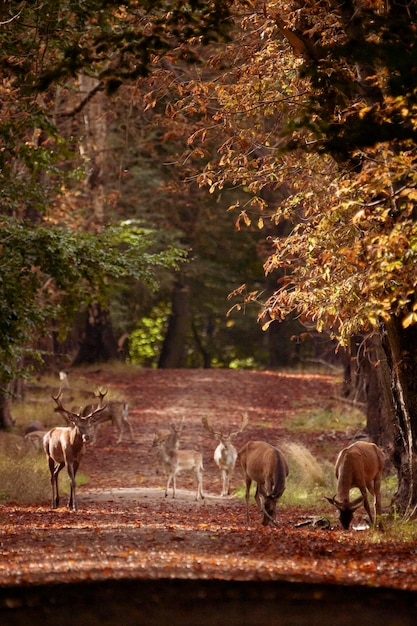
48	273
146	340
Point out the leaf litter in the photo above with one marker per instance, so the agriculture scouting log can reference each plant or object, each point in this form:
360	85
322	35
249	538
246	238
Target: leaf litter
126	528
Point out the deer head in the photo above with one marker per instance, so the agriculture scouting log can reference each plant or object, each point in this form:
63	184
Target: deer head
225	436
76	419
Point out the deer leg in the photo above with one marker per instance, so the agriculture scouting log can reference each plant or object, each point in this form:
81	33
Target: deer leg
55	468
225	486
174	485
199	476
72	470
366	505
377	489
258	494
127	424
228	477
132	437
171	477
120	429
248	485
374	489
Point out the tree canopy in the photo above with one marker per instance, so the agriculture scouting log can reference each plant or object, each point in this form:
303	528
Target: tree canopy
59	255
319	99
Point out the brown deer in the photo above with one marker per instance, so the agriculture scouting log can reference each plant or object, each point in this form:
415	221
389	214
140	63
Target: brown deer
34	439
174	460
359	465
265	465
65	446
117	412
225	454
33	435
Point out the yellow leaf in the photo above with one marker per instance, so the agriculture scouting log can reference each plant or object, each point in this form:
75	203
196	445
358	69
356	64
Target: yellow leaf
246	218
410	319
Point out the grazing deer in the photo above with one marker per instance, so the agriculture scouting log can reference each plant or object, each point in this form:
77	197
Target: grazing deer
265	465
359	465
117	412
64	446
225	454
32	426
174	460
34	439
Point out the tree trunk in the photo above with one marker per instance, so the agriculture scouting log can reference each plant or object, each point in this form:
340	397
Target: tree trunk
173	349
6	420
98	342
400	346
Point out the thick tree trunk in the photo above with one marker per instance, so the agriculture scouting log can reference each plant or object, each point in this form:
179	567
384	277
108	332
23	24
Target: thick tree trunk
6	420
381	414
173	349
400	346
98	342
201	345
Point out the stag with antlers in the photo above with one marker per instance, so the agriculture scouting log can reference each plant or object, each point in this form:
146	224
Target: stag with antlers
225	454
116	412
65	446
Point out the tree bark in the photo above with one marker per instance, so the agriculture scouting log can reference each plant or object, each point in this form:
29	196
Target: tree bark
98	342
6	420
400	345
173	349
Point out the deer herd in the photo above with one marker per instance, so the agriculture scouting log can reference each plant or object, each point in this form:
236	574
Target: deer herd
360	465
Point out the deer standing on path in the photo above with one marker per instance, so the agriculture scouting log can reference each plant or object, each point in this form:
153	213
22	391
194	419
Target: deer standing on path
225	455
359	465
116	412
265	465
65	446
174	460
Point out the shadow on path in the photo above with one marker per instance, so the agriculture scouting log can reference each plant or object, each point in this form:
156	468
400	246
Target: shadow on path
201	602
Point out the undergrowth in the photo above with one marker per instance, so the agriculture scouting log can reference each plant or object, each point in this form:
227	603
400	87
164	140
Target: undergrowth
333	417
24	475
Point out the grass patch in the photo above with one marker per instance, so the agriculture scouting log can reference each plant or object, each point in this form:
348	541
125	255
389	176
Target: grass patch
24	473
334	418
309	479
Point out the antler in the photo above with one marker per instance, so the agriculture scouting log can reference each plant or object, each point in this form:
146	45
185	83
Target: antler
70	415
100	393
245	421
210	428
57	399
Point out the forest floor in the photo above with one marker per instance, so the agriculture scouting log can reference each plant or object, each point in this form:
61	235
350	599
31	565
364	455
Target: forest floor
126	529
